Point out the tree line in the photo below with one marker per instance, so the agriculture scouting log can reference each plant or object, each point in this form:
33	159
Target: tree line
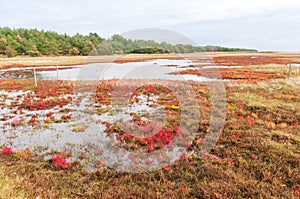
34	42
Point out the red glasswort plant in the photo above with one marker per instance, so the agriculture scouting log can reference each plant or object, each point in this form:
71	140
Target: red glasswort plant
296	190
60	162
6	151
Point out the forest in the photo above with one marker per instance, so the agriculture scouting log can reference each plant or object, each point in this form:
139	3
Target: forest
34	42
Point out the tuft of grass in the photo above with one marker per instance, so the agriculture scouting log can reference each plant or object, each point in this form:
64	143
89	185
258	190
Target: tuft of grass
10	187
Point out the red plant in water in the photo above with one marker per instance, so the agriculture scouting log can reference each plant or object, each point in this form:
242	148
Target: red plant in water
32	120
61	163
49	114
6	151
16	123
149	89
151	147
66	117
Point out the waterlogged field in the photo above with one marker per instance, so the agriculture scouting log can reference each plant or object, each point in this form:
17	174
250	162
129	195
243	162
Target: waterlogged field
139	138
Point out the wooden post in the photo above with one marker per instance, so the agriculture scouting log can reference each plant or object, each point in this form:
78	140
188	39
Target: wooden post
57	72
35	80
290	71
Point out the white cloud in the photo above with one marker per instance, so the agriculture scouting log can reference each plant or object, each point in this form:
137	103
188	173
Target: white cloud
238	22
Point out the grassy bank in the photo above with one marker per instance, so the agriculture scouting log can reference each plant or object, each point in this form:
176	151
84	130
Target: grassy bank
76	60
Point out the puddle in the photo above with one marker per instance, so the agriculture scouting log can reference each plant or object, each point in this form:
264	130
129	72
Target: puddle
83	133
76	125
155	69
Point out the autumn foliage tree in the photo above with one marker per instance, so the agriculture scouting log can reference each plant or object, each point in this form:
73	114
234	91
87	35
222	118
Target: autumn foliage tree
74	51
10	52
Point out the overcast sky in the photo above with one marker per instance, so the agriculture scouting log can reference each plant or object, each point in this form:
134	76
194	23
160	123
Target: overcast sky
259	24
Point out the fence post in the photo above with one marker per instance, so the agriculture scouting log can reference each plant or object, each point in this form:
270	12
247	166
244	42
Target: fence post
57	72
290	71
35	80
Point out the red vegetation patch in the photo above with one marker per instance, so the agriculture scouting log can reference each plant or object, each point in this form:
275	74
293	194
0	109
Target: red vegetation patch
54	68
296	190
14	66
70	66
234	74
60	162
6	151
248	60
159	140
44	89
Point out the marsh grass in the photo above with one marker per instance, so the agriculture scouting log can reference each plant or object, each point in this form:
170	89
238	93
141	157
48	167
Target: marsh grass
249	161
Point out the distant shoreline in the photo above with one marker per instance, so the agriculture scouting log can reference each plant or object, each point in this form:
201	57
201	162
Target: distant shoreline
21	61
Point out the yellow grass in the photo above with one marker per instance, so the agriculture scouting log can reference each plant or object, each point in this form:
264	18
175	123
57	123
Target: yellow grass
8	187
76	60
